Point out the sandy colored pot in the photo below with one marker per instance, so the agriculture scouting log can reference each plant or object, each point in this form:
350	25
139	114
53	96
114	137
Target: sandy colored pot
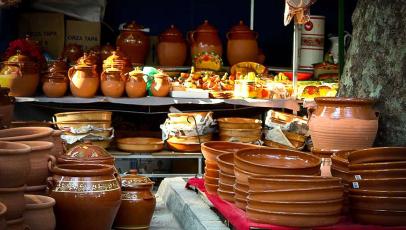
240	203
212	149
239	123
13	199
54	87
205	39
161	85
83	116
343	123
138	202
242	44
212	172
135	85
298	206
171	48
379	217
112	82
190	139
3	210
241	139
226	195
226	179
226	163
226	187
134	43
345	175
14	164
291	182
84	81
17	224
80	123
39	213
85	192
378	154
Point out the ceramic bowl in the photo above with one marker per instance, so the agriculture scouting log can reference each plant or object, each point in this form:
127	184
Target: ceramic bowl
241	187
140	144
384	173
345	175
239	123
188	118
226	179
211	188
211	172
226	163
26	134
377	202
211	165
384	193
240	203
226	187
291	182
226	195
184	147
270	161
210	180
293	219
340	160
241	176
378	165
212	149
83	115
380	154
379	217
99	124
298	206
240	193
381	184
3	210
242	139
241	132
308	194
190	139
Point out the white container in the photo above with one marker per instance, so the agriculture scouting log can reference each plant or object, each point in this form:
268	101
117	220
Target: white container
311	49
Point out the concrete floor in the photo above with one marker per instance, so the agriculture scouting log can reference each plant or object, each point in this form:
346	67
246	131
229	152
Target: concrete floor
163	218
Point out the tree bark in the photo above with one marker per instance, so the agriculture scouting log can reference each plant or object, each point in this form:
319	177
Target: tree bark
375	65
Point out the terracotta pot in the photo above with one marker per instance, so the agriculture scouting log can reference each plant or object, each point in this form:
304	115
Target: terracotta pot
161	85
239	123
138	202
54	86
112	82
84	116
3	210
380	184
340	160
39	213
187	118
240	139
183	147
17	224
226	195
240	203
205	39
298	206
211	172
140	144
379	217
226	179
379	154
135	85
14	164
117	60
211	165
381	193
36	190
226	187
40	152
345	175
212	149
106	51
226	163
211	188
72	52
242	44
377	202
59	145
84	81
26	134
241	132
343	123
57	66
210	180
241	176
13	199
134	43
171	48
85	192
291	182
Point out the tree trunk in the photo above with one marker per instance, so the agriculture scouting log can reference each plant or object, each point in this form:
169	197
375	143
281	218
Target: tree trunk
375	65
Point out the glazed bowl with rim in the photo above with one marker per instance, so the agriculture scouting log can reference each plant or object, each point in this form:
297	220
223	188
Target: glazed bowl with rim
226	163
379	217
378	154
298	206
14	164
290	182
26	134
212	149
239	123
382	173
211	172
345	175
210	180
271	161
307	194
384	193
293	219
226	179
378	202
380	184
242	188
183	147
378	165
340	160
211	188
226	195
242	139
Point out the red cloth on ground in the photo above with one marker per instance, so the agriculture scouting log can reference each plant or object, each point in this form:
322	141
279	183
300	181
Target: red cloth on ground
239	220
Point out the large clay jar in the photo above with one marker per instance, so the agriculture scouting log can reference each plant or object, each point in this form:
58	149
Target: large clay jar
138	202
14	164
21	75
205	39
17	224
13	199
39	213
135	85
242	44
87	196
343	124
134	43
112	82
3	210
161	85
84	80
172	48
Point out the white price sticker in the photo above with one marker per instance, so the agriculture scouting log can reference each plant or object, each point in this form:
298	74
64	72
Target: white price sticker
355	185
358	177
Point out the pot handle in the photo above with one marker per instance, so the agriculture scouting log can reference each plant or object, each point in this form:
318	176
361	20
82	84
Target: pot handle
70	72
310	111
51	163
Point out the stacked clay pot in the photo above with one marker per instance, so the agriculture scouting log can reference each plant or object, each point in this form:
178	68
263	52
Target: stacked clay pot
6	107
55	80
226	177
39	213
238	129
84	79
137	202
161	85
172	49
117	60
242	44
339	168
135	85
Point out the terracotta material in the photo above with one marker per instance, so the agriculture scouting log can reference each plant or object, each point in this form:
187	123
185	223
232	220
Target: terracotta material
84	81
84	116
135	85
382	173
291	182
343	123
80	123
268	161
3	210
210	180
211	165
226	195
190	139
134	43
380	154
298	206
379	217
39	213
241	176
140	144
161	85
380	184
345	175
13	199
138	202
378	165
239	123
306	194
14	164
242	44
212	149
241	132
211	188
184	147
226	163
205	39
377	202
72	52
211	172
171	48
36	190
340	160
26	134
85	153
294	219
17	224
106	51
242	188
241	139
240	203
384	193
85	192
55	87
112	82
226	179
226	187
187	118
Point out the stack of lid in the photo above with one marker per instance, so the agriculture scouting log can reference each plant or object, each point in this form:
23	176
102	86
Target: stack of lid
339	168
378	193
238	129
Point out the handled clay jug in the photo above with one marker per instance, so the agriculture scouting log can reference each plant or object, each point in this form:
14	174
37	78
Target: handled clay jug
84	80
205	39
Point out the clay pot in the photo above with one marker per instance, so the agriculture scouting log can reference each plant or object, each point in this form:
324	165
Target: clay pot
171	48
210	180
39	213
135	85
382	193
26	134
226	163
161	85
226	179
239	123
211	165
14	164
298	206
138	202
379	154
205	39
84	192
55	86
377	202
40	152
212	149
17	224
84	81
59	145
72	52
112	82
391	184
226	195
291	182
57	66
140	144
212	172
3	210
211	188
242	44
343	123
106	51
13	199
134	43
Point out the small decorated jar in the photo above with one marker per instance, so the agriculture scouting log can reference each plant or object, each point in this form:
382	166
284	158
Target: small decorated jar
135	85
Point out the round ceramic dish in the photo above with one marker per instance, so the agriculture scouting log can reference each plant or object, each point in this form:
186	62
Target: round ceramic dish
226	195
210	180
211	188
239	123
378	165
380	154
240	203
211	165
83	115
26	134
183	147
379	217
226	187
190	139
382	184
384	173
291	182
140	144
345	175
297	206
211	172
226	163
212	149
377	202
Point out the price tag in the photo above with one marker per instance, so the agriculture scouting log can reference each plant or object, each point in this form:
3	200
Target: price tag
358	177
355	185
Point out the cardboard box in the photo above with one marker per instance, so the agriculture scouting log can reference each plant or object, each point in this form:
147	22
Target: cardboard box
46	28
86	34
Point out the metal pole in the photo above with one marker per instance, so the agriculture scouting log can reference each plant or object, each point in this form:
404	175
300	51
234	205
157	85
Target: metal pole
252	15
341	57
295	61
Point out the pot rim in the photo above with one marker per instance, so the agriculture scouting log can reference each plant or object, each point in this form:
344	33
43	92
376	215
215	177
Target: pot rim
376	197
209	146
344	100
219	159
46	202
38	145
42	132
3	209
19	148
358	154
295	178
69	170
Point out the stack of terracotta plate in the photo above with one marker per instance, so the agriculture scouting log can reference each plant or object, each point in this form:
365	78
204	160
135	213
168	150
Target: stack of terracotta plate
227	178
295	201
339	168
378	194
264	162
140	144
238	129
212	175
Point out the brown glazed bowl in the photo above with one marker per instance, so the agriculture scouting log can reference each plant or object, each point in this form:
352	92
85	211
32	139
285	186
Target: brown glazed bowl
211	188
379	217
378	165
310	194
340	160
226	195
13	199
212	149
241	176
226	163
183	147
379	154
226	179
377	202
345	175
270	161
291	182
210	180
214	173
39	213
14	164
293	219
3	210
26	134
298	206
381	184
384	193
384	173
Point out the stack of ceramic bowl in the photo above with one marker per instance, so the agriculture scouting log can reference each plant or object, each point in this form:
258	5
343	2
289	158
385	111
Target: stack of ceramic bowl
339	168
212	175
227	178
264	161
238	129
378	194
295	201
140	144
93	126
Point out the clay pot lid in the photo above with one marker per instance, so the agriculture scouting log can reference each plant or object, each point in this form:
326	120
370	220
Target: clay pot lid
87	151
132	26
116	57
137	72
206	27
133	180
